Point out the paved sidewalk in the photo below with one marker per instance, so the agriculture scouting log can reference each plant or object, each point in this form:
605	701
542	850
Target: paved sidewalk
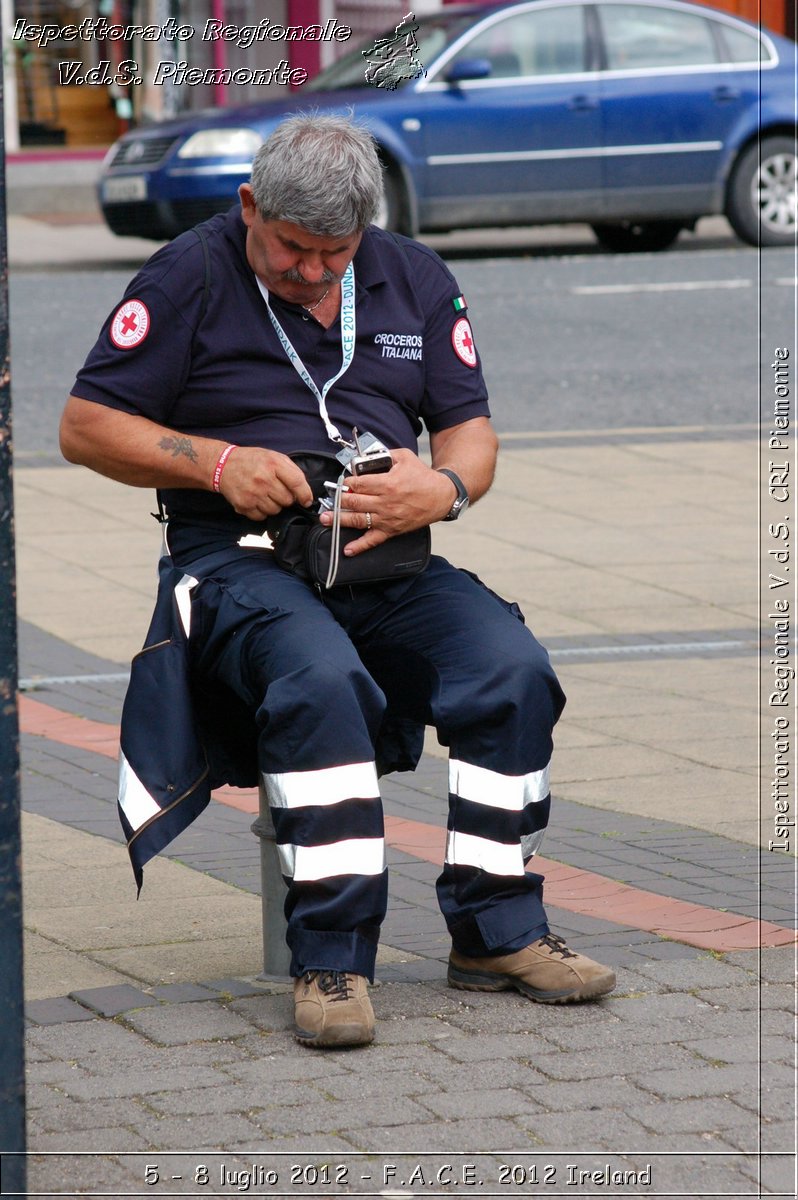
149	1028
150	1032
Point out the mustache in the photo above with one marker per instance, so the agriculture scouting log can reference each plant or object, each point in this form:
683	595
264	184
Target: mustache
293	275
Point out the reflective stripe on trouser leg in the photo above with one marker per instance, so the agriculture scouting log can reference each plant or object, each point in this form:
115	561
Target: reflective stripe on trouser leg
327	812
330	839
448	651
263	633
496	824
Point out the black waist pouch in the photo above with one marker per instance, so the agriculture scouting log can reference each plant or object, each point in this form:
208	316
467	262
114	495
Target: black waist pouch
304	546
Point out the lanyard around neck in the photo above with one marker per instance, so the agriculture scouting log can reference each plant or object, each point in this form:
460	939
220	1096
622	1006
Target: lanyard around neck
347	348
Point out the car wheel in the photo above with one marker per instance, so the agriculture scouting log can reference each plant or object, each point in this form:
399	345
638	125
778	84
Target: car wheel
390	214
638	235
761	201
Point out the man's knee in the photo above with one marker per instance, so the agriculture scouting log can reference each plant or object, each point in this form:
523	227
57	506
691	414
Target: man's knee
321	714
334	687
517	683
502	715
507	675
535	683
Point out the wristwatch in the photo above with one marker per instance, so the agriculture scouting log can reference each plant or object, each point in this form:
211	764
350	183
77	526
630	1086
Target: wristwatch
461	500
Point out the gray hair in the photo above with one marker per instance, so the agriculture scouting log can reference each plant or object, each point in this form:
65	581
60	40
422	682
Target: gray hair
319	172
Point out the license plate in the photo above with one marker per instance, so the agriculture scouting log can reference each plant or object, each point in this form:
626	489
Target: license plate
125	187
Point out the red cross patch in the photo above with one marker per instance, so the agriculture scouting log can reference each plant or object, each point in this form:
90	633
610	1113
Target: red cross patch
463	342
130	325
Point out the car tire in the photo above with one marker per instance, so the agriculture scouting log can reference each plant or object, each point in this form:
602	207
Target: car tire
390	215
761	200
630	236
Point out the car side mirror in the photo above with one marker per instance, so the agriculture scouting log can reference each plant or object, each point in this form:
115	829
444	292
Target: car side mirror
469	68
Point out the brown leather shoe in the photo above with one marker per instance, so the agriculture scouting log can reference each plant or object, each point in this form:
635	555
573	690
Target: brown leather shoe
332	1008
546	971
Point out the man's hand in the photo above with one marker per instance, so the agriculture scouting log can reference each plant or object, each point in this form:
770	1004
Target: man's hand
258	483
412	494
407	497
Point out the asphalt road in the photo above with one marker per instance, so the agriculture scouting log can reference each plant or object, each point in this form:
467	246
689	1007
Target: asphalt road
570	342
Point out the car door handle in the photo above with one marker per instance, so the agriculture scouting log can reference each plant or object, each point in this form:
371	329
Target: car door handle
724	94
582	103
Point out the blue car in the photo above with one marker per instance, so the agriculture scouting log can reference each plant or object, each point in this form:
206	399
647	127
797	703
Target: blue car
635	116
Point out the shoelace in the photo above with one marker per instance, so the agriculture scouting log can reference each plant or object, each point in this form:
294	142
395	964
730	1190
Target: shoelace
557	945
334	984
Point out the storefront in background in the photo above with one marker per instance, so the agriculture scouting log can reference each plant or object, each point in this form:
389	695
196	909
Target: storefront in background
75	66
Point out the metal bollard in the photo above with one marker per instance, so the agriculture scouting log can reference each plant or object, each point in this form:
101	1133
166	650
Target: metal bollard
276	955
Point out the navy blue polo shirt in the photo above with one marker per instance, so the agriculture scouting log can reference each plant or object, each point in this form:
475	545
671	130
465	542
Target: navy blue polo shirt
222	372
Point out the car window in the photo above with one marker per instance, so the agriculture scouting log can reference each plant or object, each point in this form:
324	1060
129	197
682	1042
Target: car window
548	42
638	37
741	46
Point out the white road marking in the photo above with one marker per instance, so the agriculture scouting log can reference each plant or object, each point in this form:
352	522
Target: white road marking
31	685
647	431
679	285
650	648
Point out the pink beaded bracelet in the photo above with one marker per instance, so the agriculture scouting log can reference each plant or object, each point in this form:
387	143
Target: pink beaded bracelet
217	470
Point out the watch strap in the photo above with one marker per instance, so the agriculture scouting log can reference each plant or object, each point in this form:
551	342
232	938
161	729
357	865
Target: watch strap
461	500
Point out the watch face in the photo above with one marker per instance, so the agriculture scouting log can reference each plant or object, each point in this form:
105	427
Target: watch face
459	506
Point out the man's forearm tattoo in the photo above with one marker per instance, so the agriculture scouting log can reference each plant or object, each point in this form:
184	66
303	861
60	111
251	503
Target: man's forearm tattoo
178	446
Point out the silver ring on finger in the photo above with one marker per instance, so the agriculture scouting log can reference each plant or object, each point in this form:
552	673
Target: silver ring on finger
368	521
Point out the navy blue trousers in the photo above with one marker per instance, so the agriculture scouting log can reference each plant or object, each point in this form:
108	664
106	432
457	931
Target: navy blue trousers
319	672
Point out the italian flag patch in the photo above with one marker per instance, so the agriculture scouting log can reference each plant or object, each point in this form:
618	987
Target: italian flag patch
459	304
